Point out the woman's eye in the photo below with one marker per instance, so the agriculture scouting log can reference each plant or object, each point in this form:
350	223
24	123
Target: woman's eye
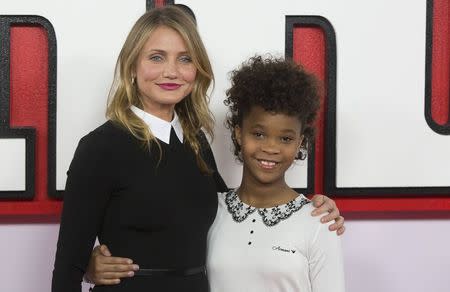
156	58
185	59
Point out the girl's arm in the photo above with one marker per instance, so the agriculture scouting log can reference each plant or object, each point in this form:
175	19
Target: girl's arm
326	269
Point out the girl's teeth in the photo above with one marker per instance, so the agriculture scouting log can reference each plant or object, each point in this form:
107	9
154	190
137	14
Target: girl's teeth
267	163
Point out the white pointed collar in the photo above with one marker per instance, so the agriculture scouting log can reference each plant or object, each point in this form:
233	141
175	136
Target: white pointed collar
159	127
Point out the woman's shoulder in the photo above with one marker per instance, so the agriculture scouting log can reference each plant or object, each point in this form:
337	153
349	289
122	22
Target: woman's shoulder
102	139
106	133
93	150
109	129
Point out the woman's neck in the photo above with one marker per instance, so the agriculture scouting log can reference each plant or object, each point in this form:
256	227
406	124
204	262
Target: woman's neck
162	111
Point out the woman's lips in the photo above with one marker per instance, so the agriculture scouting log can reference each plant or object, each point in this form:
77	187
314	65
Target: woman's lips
169	86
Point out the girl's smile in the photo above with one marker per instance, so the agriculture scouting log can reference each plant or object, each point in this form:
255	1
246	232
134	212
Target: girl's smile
267	164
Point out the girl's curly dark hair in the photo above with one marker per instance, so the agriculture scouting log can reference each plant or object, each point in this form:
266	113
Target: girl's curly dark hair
277	85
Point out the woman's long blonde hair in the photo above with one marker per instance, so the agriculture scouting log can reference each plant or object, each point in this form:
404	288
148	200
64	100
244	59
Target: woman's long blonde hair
193	110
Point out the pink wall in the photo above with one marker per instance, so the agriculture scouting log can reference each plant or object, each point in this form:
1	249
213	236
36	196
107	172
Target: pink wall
380	256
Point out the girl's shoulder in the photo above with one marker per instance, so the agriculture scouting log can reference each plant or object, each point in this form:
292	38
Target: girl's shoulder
222	196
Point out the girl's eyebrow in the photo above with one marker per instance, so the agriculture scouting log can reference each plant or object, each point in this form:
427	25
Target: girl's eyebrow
258	126
288	131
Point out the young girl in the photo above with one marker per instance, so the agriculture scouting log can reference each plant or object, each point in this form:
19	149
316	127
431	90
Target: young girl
263	237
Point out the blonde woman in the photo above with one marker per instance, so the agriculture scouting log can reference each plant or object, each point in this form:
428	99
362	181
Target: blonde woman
145	182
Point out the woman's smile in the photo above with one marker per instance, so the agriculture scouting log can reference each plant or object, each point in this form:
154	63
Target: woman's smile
169	86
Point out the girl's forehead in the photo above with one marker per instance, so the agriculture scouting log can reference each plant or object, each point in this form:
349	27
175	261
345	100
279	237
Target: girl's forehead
257	111
259	116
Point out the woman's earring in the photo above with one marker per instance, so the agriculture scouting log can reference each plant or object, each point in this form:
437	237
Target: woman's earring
133	80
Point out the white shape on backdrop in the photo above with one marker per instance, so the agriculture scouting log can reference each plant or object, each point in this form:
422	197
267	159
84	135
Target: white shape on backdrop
12	166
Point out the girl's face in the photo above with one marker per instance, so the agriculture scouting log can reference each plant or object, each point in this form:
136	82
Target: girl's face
269	144
165	73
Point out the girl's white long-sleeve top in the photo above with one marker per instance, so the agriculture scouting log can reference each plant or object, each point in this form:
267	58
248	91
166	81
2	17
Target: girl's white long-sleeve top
276	249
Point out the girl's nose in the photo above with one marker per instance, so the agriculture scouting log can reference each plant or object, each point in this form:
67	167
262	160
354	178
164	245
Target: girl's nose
270	146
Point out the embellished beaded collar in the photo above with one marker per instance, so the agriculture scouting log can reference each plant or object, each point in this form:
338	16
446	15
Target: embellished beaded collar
270	216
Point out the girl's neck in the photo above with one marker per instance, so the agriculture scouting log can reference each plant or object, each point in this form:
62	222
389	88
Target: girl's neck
265	196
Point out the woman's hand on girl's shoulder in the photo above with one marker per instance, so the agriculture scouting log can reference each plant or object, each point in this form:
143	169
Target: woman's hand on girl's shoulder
323	205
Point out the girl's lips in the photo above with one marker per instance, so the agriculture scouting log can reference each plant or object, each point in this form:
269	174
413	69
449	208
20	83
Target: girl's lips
169	86
267	164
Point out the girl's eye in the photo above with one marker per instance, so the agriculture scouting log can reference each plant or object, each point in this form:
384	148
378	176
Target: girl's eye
258	135
185	59
156	58
286	139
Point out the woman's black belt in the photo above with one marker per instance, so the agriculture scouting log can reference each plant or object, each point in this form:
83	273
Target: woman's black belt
170	272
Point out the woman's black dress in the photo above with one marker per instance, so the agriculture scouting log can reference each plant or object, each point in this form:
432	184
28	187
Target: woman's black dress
156	211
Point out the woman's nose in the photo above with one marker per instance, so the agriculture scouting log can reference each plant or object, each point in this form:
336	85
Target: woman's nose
170	70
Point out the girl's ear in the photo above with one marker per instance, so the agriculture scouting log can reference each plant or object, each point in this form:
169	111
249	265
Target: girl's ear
300	141
237	135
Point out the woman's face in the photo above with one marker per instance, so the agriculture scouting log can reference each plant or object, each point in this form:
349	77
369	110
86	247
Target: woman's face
165	73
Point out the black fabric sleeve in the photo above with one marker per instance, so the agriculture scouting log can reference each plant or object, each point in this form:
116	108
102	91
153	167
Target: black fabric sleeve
88	186
208	156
